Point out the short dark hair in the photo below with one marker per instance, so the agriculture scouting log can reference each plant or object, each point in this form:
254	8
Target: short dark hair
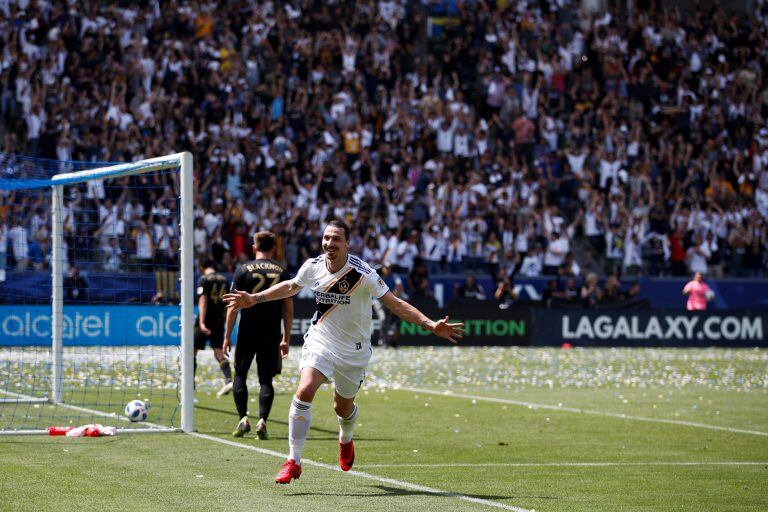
338	223
208	263
264	241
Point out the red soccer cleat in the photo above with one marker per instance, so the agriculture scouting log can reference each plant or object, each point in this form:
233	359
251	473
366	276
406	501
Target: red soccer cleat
288	472
346	455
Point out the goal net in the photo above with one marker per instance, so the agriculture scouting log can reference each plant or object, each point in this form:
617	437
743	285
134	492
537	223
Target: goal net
96	293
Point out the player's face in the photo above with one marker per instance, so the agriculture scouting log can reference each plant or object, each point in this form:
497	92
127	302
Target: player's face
335	245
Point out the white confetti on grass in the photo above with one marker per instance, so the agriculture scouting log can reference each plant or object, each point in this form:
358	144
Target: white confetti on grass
494	368
513	368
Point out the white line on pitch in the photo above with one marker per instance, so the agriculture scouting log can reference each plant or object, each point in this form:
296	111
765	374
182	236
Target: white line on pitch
369	476
581	411
153	427
561	464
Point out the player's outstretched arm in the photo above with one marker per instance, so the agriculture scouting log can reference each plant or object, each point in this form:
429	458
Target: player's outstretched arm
450	331
238	299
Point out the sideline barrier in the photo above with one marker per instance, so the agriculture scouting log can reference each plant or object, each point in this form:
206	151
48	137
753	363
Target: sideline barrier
92	325
485	324
655	327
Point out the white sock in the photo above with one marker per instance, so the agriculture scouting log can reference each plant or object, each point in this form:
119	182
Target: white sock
298	427
347	426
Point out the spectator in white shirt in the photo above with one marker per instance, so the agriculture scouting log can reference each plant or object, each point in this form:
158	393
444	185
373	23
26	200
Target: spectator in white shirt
698	255
214	219
35	120
111	256
455	254
200	237
407	251
19	239
610	169
163	234
633	255
576	158
554	256
445	136
434	249
145	247
461	142
532	263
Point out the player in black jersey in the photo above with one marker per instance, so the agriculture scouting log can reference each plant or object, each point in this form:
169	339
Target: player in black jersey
259	332
209	326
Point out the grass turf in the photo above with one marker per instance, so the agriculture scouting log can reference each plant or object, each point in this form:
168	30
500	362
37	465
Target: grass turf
439	441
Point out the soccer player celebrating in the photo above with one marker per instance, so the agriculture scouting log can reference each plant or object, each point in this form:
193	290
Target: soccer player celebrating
209	326
258	333
337	345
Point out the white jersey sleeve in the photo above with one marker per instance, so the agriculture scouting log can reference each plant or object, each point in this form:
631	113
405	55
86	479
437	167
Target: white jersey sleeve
375	285
306	274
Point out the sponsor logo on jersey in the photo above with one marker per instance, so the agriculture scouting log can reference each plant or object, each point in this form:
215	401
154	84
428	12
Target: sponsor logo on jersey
332	298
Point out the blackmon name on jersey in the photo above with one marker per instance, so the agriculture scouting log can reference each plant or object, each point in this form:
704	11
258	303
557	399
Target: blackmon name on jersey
260	323
213	286
344	300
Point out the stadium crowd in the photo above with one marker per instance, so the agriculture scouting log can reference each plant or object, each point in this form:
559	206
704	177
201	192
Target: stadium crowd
537	138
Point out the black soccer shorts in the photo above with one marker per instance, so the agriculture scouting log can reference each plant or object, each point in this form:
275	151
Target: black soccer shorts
216	337
268	360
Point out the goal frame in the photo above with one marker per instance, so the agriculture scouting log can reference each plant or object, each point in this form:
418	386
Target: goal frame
184	161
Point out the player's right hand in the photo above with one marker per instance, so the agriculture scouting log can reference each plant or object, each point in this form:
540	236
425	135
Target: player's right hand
226	346
238	299
284	348
204	329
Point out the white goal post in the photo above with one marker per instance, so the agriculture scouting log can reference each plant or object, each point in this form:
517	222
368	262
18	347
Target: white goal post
184	162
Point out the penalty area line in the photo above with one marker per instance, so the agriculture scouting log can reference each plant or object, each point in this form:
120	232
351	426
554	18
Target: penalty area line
397	483
532	405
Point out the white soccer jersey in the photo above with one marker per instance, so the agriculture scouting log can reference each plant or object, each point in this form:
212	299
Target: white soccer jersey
342	321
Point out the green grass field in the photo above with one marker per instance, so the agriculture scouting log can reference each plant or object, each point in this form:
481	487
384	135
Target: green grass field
446	428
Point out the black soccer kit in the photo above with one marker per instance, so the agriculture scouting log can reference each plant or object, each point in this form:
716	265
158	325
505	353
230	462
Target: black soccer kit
213	286
258	334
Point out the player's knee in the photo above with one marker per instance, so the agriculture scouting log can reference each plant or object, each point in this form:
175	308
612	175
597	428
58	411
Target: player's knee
238	384
305	393
343	406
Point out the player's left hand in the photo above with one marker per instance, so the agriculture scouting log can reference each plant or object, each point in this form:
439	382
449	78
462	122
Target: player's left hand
238	299
284	348
452	332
